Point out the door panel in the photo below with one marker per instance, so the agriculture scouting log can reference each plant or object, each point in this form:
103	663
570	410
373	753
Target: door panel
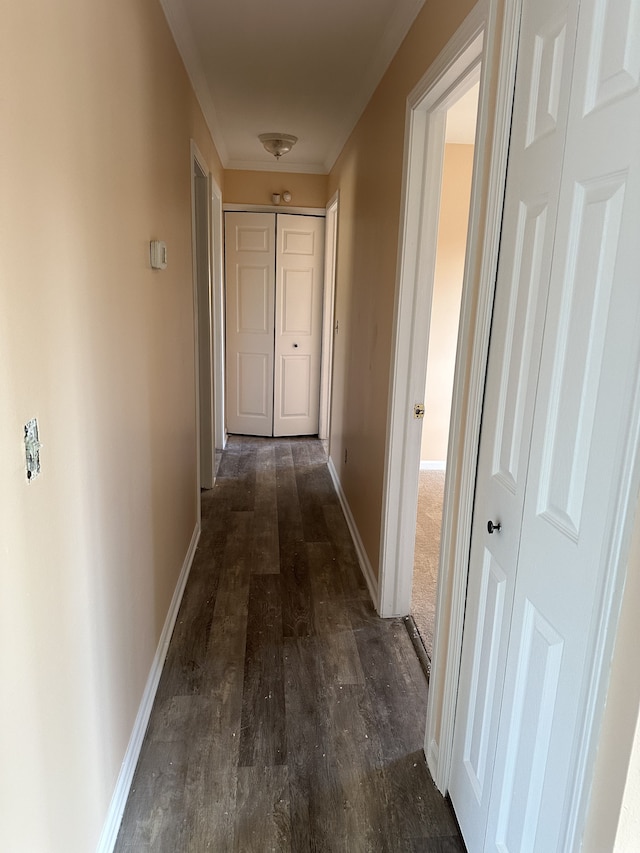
531	200
584	436
250	282
299	262
534	704
560	432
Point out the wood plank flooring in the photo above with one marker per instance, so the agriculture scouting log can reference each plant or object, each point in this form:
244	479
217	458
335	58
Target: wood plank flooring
289	717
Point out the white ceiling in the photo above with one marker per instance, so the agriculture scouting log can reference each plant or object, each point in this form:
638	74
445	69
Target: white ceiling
305	67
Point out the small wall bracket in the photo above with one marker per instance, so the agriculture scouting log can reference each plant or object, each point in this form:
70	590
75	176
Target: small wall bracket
32	449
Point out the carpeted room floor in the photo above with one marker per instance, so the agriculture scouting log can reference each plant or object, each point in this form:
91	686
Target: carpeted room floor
427	554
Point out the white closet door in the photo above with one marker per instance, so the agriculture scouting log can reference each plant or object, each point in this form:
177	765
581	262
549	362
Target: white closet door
250	297
531	202
522	719
298	338
584	441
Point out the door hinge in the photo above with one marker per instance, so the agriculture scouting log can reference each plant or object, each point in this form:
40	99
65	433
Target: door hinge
418	411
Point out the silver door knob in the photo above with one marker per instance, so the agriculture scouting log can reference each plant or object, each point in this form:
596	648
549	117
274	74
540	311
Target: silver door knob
491	526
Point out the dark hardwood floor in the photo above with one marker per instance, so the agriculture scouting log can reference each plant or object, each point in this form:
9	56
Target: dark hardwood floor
289	717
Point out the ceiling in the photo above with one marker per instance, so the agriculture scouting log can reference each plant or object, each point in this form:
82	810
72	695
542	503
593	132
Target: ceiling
303	67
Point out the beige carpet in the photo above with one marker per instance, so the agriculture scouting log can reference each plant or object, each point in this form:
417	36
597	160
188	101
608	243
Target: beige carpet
427	554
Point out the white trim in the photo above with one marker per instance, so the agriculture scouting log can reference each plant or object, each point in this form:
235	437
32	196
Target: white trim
497	86
195	156
113	819
433	465
363	560
276	166
274	208
203	298
330	255
182	33
217	303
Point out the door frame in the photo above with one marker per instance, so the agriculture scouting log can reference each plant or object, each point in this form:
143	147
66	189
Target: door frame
208	316
326	367
217	303
428	105
488	36
201	305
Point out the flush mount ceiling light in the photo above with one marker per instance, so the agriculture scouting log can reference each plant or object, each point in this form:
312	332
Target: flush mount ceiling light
278	143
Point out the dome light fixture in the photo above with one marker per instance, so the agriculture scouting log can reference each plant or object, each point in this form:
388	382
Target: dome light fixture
278	143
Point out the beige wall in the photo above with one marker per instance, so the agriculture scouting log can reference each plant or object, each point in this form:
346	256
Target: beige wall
258	187
368	175
96	115
445	308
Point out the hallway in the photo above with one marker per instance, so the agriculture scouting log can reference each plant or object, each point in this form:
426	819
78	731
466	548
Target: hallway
289	717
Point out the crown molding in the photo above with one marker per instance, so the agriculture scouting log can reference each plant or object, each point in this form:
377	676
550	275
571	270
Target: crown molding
185	42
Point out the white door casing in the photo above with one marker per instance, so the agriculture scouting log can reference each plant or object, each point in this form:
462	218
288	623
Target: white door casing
218	311
274	285
250	301
298	331
330	255
547	620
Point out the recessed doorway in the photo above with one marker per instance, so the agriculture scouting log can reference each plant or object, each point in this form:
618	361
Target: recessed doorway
455	196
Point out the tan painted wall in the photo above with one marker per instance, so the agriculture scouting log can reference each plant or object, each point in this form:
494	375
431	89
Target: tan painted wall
257	188
96	114
445	308
368	175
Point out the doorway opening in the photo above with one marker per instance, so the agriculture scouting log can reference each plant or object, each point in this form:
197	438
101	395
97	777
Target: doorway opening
206	237
446	295
201	249
487	36
326	367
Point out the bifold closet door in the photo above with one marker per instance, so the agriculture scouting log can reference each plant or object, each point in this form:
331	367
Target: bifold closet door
274	281
298	338
561	431
250	301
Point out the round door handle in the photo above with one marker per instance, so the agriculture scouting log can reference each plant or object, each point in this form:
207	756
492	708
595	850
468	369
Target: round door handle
295	346
491	527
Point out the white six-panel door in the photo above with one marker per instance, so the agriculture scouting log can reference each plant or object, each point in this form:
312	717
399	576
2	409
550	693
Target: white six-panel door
531	200
250	298
560	427
274	280
583	440
298	338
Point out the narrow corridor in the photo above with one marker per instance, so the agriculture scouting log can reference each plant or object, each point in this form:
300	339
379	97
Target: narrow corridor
289	717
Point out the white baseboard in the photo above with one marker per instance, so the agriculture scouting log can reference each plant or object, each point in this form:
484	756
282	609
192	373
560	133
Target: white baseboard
431	754
433	465
121	792
365	565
